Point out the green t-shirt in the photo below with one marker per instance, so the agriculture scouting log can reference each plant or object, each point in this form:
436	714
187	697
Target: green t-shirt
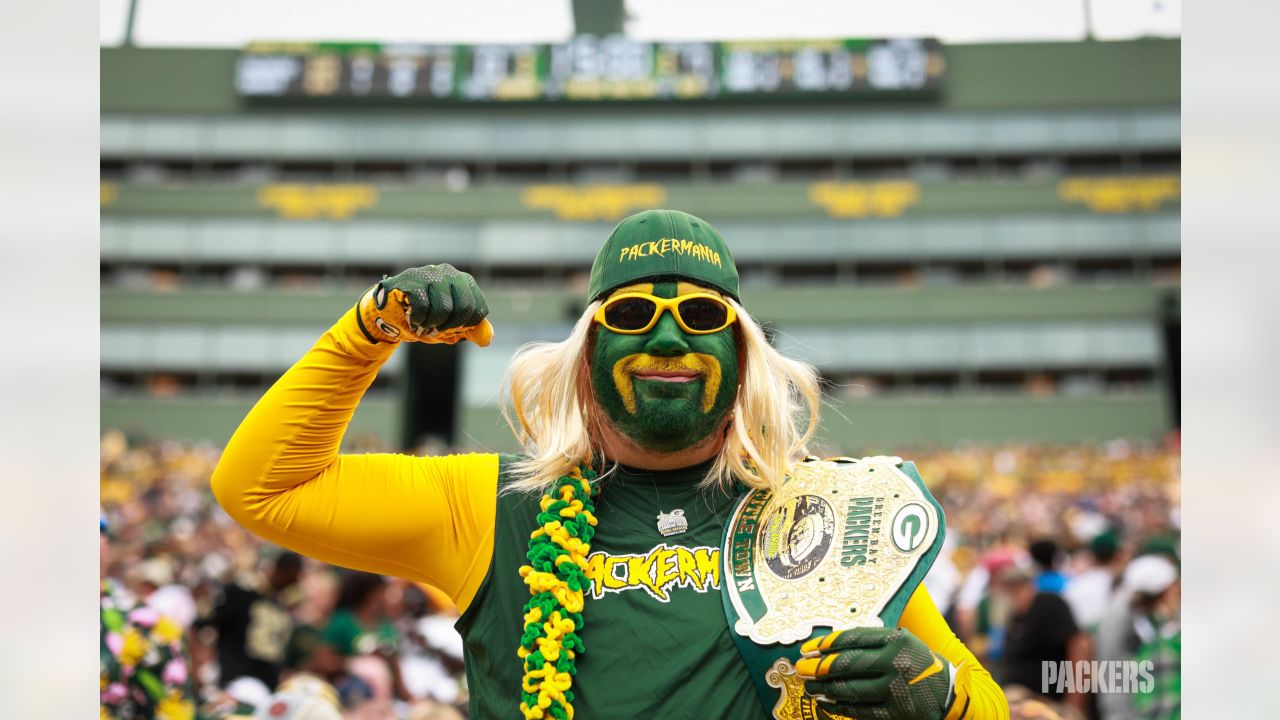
303	641
657	643
348	637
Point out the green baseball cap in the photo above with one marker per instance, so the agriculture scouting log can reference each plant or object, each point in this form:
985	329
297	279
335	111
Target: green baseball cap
663	244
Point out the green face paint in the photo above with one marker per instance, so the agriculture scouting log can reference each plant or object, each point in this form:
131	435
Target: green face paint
665	415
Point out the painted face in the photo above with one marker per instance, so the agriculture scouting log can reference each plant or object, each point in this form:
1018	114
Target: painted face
666	389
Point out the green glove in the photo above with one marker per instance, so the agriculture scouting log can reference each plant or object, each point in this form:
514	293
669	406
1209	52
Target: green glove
876	674
432	304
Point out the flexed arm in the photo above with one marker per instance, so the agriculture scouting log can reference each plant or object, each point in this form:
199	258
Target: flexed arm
281	476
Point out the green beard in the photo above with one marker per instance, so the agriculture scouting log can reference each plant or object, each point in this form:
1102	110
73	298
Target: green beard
655	414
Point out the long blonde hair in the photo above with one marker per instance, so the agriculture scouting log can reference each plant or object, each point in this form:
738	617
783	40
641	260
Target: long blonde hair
550	406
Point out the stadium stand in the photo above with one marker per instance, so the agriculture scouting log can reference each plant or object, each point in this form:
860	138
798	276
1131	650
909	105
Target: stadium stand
995	262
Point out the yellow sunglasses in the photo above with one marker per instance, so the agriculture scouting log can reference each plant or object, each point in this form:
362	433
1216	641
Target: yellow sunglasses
634	313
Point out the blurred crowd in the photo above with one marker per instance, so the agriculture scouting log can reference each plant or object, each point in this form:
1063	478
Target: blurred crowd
1065	554
1052	554
263	630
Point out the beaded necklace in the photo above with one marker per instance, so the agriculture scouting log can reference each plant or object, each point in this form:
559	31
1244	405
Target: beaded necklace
556	576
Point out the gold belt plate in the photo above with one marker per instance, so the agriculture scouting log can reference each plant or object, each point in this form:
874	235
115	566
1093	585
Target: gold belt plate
830	549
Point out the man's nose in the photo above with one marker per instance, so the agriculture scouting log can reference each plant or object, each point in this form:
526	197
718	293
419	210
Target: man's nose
666	339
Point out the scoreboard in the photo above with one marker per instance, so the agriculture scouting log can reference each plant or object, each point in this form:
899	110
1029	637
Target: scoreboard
590	68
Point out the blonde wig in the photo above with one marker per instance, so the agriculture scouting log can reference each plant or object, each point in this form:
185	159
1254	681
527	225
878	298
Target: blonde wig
550	406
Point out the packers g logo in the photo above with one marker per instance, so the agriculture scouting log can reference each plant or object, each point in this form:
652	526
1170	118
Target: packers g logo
910	525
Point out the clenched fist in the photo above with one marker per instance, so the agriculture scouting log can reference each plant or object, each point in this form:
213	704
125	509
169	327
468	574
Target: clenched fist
876	674
432	304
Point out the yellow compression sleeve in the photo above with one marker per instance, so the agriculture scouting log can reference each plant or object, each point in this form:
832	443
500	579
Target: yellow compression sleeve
978	697
428	519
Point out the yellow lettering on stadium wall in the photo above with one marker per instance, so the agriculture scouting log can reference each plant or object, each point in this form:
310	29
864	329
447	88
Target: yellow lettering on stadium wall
859	200
108	193
775	46
657	572
597	89
273	47
595	202
1121	194
309	202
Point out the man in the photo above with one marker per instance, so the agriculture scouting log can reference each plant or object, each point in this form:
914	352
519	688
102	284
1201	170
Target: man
1090	591
665	402
253	623
1161	651
1142	623
1040	630
1044	553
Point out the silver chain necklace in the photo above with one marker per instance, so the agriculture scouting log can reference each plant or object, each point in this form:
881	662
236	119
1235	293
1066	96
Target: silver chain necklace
668	523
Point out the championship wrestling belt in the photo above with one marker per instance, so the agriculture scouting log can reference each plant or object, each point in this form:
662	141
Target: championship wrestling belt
843	544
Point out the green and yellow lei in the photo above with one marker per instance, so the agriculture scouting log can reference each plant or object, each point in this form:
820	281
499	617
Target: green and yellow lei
556	576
